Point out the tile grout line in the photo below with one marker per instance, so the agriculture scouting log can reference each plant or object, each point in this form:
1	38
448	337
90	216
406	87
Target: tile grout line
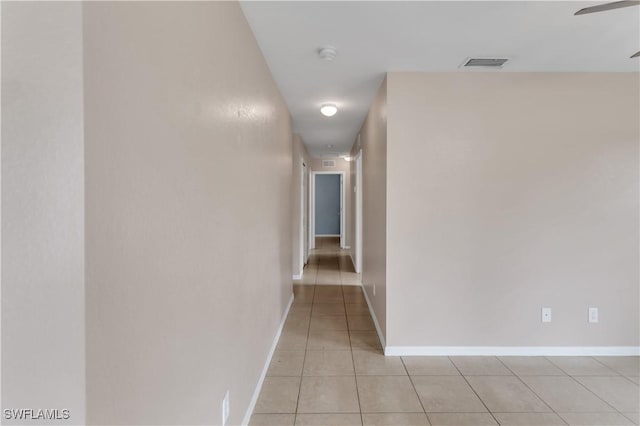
324	350
592	358
406	370
628	377
353	362
586	388
304	358
474	391
598	396
528	387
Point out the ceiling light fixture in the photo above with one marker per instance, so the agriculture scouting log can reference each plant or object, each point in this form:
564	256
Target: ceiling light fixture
328	110
328	53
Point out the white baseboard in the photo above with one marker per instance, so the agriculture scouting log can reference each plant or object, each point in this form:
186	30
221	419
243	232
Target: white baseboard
375	321
512	350
297	277
327	235
256	392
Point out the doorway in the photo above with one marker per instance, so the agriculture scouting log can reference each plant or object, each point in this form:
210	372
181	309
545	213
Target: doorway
326	210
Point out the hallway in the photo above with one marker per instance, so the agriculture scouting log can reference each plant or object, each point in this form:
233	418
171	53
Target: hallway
329	265
329	369
162	184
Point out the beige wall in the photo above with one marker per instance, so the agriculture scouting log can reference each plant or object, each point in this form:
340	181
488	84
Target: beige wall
300	156
43	358
508	192
373	141
188	217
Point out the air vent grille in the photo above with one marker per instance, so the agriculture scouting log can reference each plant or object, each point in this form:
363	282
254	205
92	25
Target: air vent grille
485	62
328	163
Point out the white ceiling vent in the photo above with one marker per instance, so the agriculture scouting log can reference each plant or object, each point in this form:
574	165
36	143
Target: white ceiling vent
328	163
485	62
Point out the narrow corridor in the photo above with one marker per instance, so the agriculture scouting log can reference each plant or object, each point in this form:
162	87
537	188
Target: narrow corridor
329	265
329	369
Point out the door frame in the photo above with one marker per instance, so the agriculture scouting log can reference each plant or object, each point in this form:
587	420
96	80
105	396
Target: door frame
358	215
304	254
312	208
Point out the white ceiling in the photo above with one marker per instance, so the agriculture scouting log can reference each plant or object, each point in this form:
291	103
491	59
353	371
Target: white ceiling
375	37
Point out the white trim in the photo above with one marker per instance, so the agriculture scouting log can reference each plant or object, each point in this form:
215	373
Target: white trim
256	392
312	209
303	191
343	212
513	350
308	236
297	277
353	262
312	213
375	321
346	247
358	213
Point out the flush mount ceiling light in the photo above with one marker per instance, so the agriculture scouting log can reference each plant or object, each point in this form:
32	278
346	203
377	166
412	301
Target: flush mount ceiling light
328	110
328	53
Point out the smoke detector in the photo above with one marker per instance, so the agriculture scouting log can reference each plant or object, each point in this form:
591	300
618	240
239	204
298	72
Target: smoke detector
328	53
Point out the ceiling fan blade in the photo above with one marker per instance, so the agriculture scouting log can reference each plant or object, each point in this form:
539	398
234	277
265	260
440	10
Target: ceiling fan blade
636	55
607	6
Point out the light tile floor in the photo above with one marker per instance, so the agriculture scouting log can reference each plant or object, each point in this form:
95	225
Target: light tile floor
328	369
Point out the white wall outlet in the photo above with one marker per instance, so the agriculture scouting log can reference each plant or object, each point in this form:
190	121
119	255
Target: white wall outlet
546	314
593	314
225	409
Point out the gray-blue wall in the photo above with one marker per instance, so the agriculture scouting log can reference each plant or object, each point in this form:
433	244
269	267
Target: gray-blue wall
328	204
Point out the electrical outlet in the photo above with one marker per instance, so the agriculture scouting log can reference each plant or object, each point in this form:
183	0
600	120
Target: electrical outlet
593	314
546	314
225	409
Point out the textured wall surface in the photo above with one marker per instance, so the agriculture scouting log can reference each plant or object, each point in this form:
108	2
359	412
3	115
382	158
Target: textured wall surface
43	300
188	160
508	192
